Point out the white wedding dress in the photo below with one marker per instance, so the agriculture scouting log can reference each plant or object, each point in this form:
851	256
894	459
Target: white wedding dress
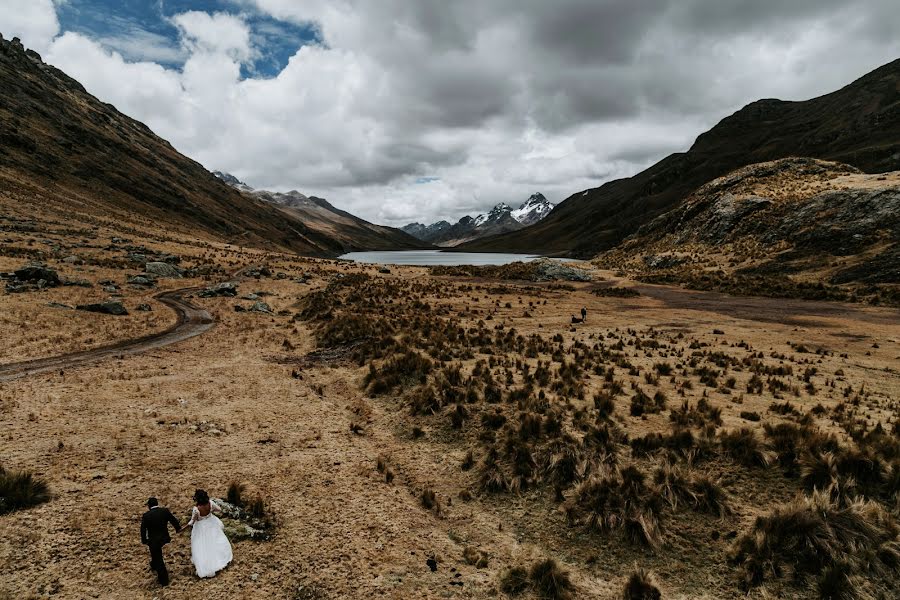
210	549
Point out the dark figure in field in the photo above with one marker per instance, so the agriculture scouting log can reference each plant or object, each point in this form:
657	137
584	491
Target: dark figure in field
155	534
576	319
583	315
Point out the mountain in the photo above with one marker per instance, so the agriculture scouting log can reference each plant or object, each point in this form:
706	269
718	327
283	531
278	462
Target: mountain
858	125
66	152
349	231
425	232
532	210
793	221
501	218
65	149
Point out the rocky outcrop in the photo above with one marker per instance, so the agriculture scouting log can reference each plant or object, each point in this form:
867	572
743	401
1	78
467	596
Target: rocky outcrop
807	219
163	269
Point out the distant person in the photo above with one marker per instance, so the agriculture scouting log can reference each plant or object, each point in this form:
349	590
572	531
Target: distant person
583	315
155	534
210	549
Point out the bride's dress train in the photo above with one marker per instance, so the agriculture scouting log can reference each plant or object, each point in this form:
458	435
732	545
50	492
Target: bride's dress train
210	549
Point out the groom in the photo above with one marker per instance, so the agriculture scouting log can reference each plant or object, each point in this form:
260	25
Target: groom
155	533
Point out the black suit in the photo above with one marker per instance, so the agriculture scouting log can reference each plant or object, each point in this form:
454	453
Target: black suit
155	533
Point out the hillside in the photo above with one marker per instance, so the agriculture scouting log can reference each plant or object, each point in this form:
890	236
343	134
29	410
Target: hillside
350	231
780	224
62	148
502	218
858	125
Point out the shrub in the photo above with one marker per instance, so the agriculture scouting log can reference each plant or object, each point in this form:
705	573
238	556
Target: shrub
493	476
550	581
663	368
21	490
641	585
257	508
401	371
234	494
620	500
744	446
514	581
709	497
813	535
475	557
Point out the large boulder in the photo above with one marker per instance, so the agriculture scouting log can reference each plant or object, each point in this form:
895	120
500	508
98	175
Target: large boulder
37	273
113	307
228	289
546	269
163	269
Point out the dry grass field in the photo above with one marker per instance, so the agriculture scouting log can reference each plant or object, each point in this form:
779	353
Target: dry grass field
414	436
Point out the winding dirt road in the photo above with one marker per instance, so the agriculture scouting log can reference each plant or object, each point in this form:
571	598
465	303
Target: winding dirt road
192	321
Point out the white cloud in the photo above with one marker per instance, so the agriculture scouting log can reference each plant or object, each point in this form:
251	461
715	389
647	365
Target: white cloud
496	99
217	33
34	21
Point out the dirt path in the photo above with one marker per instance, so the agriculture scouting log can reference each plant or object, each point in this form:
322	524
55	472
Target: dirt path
192	321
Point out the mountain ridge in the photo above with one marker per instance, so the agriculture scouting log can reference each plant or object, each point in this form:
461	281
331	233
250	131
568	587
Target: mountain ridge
858	124
79	154
351	232
500	218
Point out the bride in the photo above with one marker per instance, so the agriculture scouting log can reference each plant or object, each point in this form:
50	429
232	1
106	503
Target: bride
210	549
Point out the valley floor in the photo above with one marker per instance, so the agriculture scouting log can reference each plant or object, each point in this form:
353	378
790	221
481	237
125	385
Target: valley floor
252	401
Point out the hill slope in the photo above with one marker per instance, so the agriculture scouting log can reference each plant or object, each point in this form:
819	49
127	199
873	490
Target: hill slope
858	125
64	148
350	231
784	223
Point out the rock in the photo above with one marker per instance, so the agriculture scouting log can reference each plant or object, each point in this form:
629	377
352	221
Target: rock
72	260
78	283
261	307
60	305
227	288
37	272
112	307
141	280
664	261
259	272
239	308
144	307
384	270
250	297
546	269
163	269
110	289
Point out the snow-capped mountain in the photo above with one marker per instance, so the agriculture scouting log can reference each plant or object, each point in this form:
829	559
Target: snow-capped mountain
500	219
533	210
495	215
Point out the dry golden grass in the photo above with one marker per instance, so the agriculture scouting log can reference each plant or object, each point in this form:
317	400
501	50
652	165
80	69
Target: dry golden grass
250	401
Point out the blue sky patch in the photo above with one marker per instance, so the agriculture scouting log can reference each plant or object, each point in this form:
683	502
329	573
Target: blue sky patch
141	30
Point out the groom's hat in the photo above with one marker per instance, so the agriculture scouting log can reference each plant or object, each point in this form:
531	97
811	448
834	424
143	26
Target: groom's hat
152	501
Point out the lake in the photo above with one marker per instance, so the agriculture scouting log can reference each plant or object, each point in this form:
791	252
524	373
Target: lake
437	257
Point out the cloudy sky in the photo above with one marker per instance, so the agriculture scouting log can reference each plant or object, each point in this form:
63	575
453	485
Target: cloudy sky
414	110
